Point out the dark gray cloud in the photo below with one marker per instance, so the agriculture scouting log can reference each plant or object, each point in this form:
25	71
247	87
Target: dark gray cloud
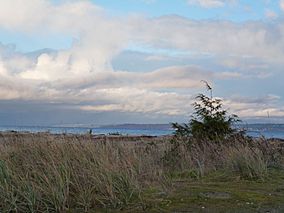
19	113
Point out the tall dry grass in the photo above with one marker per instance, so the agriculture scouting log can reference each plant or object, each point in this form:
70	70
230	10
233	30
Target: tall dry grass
240	156
63	173
71	173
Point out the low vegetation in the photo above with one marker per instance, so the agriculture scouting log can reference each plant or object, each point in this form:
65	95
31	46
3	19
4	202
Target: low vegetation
83	174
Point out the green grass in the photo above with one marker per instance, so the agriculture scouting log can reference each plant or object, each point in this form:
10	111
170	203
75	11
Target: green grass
217	193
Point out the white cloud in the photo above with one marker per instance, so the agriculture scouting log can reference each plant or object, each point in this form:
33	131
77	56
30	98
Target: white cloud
228	75
249	107
79	19
247	40
32	15
53	78
207	3
141	100
281	4
92	27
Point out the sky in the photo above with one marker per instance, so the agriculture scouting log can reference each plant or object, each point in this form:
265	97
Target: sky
73	62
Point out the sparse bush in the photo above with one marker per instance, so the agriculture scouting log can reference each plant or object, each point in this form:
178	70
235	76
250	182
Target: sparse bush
209	120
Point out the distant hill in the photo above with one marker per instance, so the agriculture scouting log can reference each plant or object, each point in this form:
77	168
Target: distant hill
139	126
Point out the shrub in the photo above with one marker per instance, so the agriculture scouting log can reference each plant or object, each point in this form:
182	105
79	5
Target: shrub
209	120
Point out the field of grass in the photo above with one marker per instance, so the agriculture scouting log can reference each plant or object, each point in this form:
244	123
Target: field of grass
69	173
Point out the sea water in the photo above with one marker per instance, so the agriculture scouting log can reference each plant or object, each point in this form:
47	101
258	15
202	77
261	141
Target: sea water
84	130
254	130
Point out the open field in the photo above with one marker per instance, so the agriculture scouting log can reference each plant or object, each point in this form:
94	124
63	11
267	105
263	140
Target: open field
84	173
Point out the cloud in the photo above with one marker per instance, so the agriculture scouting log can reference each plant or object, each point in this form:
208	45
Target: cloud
92	49
91	26
271	14
229	75
207	3
54	77
142	101
34	15
247	40
44	78
83	75
249	107
281	4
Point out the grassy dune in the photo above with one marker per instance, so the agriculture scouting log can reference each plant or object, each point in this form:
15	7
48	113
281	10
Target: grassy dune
65	173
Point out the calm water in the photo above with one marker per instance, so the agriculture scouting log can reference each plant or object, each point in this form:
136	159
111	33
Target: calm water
266	130
83	130
255	130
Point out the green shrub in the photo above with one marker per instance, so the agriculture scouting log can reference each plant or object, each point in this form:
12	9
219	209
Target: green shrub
209	120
